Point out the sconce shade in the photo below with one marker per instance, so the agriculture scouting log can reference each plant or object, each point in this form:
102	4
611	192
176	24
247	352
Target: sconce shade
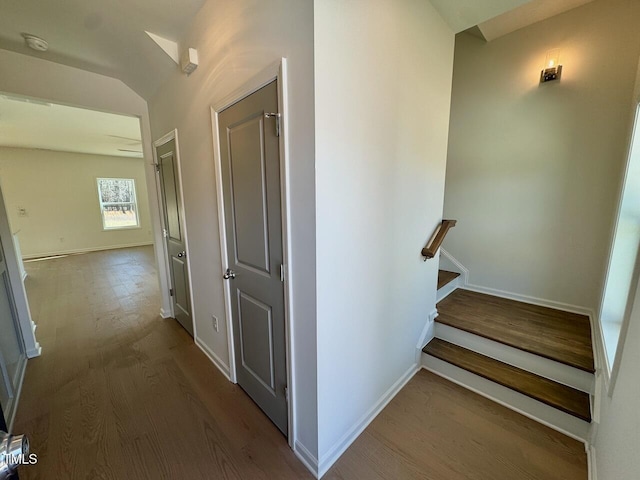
552	68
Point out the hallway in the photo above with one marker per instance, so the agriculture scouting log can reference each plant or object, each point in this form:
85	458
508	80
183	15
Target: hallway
120	393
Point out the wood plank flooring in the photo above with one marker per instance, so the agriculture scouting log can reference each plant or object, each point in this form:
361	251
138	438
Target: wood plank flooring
436	430
559	396
121	394
445	276
561	336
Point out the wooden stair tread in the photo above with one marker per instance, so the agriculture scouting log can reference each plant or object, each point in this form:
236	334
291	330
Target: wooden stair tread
445	277
561	336
562	397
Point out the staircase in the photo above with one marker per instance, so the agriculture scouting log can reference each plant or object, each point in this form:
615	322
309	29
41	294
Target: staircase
532	359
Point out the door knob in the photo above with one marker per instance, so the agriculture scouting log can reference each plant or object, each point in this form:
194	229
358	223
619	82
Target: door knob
13	450
229	274
182	254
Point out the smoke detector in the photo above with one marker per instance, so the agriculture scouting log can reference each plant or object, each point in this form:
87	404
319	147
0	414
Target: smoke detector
36	43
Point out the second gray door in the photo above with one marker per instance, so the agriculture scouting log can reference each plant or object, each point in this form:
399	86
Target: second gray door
251	179
174	234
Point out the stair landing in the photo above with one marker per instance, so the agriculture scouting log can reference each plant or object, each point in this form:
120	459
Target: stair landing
561	336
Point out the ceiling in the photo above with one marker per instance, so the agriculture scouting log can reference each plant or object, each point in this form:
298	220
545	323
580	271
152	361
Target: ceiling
28	123
525	15
464	14
102	36
108	36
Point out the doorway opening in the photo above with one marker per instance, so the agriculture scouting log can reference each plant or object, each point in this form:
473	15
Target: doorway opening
77	207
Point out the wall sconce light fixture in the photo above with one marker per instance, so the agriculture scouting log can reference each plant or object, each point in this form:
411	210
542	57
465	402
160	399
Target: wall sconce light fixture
552	68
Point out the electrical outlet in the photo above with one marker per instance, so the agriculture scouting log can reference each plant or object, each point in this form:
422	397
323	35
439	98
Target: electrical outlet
215	322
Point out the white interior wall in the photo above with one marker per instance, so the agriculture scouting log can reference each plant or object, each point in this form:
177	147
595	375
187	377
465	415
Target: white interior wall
60	195
619	430
34	77
533	170
235	41
382	97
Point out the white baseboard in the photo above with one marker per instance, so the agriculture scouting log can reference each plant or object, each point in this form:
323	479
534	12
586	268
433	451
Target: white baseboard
84	250
349	437
215	359
565	307
448	289
35	351
591	462
164	313
428	332
307	458
449	261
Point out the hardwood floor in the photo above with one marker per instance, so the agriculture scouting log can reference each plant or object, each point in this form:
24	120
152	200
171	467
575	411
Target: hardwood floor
567	399
436	430
120	393
561	336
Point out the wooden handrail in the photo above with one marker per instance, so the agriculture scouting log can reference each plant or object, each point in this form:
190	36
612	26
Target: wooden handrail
436	240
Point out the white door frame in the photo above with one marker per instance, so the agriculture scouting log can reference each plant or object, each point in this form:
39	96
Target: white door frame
276	71
168	312
26	327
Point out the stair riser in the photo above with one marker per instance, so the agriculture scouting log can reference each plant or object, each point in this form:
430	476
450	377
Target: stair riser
448	289
558	372
538	411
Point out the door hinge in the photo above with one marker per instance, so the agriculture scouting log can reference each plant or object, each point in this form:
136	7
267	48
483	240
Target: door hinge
171	292
286	394
277	116
157	165
282	272
165	234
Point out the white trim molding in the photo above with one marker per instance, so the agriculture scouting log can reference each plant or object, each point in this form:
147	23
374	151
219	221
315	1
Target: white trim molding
165	272
428	333
591	462
278	72
354	432
307	458
76	251
215	359
460	268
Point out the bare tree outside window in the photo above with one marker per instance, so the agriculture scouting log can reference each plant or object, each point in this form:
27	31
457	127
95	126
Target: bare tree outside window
118	203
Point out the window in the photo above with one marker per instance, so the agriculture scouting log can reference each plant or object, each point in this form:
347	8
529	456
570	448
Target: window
118	204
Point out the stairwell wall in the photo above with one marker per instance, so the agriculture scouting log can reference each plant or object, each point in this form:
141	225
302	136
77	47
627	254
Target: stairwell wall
382	97
533	170
616	445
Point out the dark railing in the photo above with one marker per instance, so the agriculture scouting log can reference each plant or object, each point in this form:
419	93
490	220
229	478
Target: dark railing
436	240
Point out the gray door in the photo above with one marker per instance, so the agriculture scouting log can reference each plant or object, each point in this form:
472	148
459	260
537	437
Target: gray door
174	234
251	184
12	352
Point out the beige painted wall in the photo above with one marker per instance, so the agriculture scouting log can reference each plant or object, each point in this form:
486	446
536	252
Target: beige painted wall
59	192
235	41
533	170
382	93
35	77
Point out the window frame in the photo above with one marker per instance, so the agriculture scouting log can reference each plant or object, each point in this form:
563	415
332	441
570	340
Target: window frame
134	203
